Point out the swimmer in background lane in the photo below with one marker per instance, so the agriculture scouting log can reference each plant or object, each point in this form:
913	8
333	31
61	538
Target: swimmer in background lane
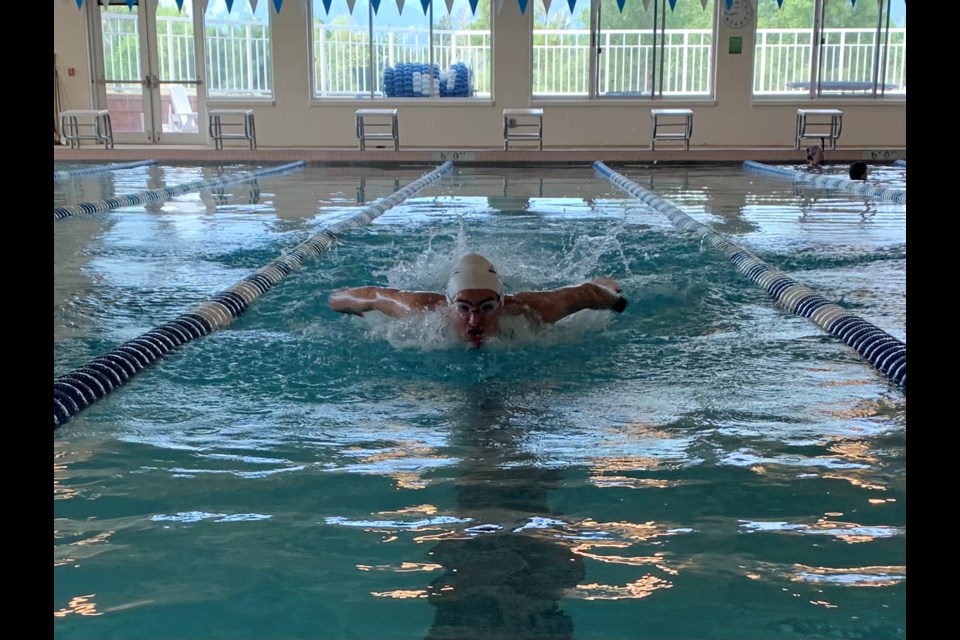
858	171
476	302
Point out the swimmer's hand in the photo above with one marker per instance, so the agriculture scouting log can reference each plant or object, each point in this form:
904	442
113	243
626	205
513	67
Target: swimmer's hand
617	301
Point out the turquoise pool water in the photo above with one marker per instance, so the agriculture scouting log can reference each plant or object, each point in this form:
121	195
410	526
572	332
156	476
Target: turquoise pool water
704	465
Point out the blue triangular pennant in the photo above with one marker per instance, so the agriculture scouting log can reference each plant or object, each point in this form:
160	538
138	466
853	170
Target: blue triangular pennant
620	4
375	4
229	5
730	3
571	4
130	4
780	3
673	4
79	4
277	4
473	6
426	5
326	6
180	6
523	6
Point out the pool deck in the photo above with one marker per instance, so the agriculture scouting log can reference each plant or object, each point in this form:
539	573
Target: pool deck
414	155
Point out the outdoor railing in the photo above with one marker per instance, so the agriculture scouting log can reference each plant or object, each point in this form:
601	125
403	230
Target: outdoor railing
561	61
238	60
782	63
237	54
342	56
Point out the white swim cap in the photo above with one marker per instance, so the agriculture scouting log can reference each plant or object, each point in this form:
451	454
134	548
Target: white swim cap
473	271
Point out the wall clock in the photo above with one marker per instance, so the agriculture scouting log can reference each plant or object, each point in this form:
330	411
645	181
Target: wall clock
739	15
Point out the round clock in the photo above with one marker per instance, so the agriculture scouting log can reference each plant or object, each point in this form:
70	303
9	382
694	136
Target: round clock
739	15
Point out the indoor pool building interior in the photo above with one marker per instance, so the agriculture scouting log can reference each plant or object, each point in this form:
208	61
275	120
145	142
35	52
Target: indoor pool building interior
712	445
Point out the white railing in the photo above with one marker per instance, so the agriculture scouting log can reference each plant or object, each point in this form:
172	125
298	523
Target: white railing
343	66
561	62
239	63
238	58
782	63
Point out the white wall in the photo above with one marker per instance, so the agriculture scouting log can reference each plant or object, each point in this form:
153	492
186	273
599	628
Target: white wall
732	120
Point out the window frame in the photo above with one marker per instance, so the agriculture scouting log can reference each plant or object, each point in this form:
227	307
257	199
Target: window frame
240	97
813	86
656	79
377	85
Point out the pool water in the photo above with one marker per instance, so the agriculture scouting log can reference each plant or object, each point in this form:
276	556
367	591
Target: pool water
704	465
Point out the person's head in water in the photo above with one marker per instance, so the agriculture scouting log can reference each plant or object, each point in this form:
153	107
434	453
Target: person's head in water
475	302
474	295
858	171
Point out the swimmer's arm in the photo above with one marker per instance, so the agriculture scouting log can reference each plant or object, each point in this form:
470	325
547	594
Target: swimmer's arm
551	306
395	303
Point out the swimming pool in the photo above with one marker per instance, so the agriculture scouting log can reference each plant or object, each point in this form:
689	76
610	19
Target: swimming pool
704	465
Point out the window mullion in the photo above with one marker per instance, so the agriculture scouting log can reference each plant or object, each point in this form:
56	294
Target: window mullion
371	50
816	50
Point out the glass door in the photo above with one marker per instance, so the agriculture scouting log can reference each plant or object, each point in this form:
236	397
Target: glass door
149	65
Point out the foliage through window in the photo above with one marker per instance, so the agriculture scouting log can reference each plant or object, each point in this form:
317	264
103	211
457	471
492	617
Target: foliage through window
410	54
238	53
830	49
639	52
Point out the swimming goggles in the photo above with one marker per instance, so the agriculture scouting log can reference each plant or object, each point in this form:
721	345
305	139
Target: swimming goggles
485	308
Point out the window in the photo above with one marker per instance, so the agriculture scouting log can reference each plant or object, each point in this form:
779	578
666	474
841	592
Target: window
643	52
830	49
238	56
413	54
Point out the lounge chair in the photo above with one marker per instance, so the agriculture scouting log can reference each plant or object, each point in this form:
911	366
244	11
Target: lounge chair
183	119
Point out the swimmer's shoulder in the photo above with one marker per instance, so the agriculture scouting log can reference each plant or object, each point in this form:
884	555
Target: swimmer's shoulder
523	304
421	300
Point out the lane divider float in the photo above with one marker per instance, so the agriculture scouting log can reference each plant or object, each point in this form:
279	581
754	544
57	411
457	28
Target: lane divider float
885	352
829	182
101	168
75	391
164	194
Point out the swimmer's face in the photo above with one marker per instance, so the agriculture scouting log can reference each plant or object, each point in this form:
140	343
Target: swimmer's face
475	315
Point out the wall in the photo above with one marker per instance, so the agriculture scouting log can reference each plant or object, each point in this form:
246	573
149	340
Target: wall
731	120
70	48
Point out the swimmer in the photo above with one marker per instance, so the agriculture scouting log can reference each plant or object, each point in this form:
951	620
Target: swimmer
815	157
475	300
858	171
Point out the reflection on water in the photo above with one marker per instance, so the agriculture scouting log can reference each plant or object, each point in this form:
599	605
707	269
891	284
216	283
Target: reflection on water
500	581
701	466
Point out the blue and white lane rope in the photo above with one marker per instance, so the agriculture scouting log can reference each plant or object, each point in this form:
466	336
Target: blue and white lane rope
101	168
162	195
900	163
883	351
75	391
829	182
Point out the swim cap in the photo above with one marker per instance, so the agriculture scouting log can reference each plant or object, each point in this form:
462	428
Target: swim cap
473	271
